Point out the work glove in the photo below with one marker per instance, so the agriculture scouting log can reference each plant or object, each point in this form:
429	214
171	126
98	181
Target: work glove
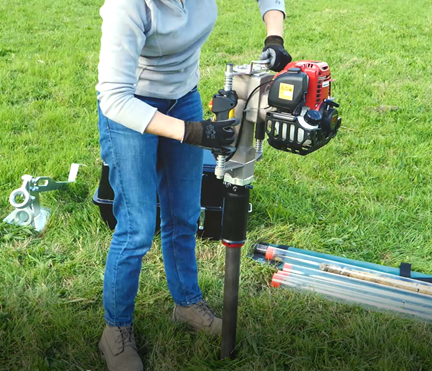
211	134
275	51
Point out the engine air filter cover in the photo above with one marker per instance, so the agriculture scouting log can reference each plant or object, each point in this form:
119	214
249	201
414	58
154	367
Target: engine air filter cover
288	90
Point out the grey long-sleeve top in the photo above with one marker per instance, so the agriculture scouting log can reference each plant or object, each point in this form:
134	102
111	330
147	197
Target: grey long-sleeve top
152	48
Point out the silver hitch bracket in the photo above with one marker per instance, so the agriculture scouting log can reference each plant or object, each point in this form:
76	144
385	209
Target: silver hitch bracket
26	200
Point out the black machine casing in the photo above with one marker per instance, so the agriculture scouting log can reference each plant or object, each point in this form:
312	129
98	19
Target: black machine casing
210	222
289	90
305	116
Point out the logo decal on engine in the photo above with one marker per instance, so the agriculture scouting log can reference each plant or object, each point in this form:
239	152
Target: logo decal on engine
286	91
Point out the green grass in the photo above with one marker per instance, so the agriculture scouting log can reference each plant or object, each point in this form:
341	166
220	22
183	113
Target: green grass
365	196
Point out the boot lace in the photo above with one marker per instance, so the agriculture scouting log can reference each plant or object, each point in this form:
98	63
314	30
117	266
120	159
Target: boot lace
203	307
125	337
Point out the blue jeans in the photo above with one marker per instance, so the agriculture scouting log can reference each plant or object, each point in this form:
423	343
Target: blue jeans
141	166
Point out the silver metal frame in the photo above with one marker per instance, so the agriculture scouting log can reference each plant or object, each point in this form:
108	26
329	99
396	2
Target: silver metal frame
239	170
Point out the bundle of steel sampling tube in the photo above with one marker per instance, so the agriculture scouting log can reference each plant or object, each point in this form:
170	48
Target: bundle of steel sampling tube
346	282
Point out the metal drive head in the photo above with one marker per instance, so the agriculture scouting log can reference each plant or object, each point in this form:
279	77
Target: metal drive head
250	84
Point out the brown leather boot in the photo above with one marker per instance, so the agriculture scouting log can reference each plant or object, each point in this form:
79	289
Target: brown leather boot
199	316
119	349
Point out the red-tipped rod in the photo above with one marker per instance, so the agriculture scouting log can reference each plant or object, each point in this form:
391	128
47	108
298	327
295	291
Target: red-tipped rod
351	294
398	294
344	269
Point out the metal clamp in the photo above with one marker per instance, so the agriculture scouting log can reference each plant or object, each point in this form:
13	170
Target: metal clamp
26	201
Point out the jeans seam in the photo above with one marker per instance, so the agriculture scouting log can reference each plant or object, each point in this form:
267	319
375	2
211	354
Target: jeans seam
128	219
170	198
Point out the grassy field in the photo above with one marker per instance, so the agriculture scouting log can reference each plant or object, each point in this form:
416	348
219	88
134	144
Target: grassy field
364	196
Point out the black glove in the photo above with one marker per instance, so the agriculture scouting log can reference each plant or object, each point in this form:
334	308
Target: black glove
275	51
211	134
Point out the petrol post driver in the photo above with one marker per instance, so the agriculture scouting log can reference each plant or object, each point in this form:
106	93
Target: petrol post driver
296	111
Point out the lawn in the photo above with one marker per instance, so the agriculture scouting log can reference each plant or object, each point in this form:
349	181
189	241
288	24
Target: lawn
364	196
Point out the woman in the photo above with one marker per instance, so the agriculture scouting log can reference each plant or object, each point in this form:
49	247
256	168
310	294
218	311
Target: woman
152	133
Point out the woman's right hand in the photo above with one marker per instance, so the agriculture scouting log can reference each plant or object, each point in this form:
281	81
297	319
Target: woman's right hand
210	134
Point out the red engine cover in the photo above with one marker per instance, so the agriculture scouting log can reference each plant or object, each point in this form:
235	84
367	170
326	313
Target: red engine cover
319	81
